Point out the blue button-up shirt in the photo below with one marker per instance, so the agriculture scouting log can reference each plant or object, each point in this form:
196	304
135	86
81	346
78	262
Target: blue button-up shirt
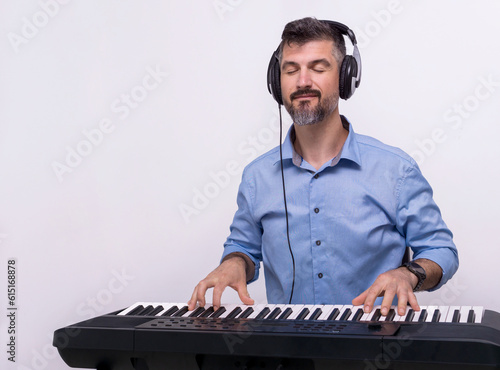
349	221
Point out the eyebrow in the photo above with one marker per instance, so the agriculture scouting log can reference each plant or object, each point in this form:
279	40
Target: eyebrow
312	63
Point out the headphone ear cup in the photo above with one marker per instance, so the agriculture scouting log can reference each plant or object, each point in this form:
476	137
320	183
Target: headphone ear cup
347	77
274	78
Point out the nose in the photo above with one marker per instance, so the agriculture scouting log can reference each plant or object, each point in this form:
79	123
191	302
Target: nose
304	79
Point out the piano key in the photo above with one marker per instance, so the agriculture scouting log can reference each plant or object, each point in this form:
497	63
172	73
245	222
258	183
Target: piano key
409	315
286	313
207	312
181	311
423	315
398	317
390	315
358	314
432	313
229	308
295	311
479	312
196	312
443	310
219	312
274	313
464	313
345	312
315	314
257	309
326	311
247	312
303	313
170	311
376	315
453	313
234	313
471	317
334	314
135	310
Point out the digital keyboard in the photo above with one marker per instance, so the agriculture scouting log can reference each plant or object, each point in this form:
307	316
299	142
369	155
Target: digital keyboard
155	335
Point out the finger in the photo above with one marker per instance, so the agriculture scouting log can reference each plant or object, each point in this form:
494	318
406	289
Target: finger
201	290
192	302
244	295
413	302
387	301
217	294
402	303
372	294
360	299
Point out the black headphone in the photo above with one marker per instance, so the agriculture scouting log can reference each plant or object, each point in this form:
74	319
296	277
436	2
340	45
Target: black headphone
349	75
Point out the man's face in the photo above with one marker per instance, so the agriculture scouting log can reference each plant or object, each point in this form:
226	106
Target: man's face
309	81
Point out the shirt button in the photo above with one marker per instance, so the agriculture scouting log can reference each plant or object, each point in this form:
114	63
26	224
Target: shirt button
316	176
316	210
320	275
318	242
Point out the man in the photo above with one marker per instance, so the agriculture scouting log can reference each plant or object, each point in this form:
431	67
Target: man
354	204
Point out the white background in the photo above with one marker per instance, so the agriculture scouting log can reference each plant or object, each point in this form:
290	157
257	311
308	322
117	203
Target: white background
108	230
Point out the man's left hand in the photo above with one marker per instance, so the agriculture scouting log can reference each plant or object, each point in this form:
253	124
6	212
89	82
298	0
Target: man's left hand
398	282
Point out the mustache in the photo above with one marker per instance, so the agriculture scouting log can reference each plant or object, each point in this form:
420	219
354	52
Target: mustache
301	92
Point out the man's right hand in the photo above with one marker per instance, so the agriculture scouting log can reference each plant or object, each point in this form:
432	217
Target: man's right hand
230	273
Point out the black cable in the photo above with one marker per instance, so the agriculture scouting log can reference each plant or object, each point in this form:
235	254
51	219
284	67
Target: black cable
286	209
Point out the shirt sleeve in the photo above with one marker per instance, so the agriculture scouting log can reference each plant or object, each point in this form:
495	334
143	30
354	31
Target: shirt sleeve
246	232
419	220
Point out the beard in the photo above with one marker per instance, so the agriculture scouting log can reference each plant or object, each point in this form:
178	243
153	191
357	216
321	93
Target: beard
304	114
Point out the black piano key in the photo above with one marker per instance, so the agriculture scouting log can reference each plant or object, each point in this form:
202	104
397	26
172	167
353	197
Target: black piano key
136	310
207	312
316	313
436	316
219	312
346	314
181	312
390	315
333	315
156	310
456	316
246	313
357	315
262	314
197	312
234	313
285	314
170	311
471	317
145	311
274	314
303	314
376	315
423	315
409	315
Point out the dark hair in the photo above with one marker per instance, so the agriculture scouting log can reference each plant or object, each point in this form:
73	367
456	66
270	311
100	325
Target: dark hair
308	29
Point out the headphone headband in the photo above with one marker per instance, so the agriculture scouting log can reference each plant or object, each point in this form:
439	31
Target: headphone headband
349	71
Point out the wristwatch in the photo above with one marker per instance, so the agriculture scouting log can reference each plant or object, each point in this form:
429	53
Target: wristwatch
419	271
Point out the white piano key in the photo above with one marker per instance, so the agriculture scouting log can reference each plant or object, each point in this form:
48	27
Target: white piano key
326	313
130	308
430	312
443	310
343	310
464	313
297	308
229	308
369	316
451	312
479	311
398	317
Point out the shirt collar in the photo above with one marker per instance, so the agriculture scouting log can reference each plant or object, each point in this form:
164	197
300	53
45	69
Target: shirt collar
349	151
